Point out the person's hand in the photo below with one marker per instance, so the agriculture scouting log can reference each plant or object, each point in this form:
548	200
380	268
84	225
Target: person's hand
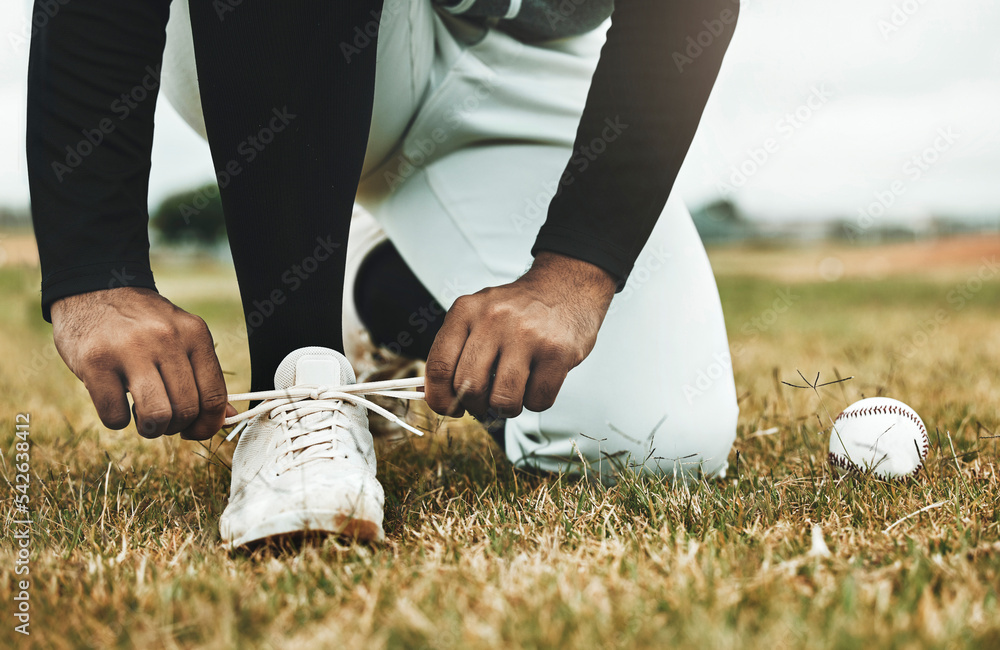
133	340
510	347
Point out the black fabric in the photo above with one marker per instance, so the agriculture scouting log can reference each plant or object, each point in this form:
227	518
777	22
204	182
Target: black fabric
395	307
93	78
651	85
540	20
287	133
287	117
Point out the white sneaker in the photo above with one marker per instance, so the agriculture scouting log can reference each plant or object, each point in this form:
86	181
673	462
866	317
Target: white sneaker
305	460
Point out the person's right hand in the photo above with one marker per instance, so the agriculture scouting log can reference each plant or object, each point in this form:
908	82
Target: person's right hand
134	340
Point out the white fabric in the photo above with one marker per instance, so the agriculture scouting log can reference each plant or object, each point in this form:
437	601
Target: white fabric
365	236
471	130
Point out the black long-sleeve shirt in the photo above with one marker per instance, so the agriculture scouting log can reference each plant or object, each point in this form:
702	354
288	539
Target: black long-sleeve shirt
93	78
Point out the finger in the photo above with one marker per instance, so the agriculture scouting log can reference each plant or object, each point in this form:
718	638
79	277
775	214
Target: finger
178	379
107	392
543	385
439	371
474	373
150	402
512	373
211	383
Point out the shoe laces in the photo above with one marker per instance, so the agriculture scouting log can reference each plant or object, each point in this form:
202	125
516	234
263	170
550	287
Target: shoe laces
308	438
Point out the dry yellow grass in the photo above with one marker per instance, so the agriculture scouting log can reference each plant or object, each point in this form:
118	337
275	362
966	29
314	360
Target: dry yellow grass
125	551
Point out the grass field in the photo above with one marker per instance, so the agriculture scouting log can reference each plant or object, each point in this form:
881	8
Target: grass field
124	551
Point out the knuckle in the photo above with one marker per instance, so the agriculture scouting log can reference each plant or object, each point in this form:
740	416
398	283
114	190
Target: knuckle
166	332
555	350
488	294
438	371
533	333
98	358
498	310
470	388
461	304
506	404
157	416
466	305
187	413
214	402
195	324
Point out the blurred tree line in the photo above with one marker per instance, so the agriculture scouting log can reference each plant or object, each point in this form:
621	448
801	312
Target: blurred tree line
191	217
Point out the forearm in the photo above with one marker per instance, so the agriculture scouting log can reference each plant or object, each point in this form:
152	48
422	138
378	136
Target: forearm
93	78
644	106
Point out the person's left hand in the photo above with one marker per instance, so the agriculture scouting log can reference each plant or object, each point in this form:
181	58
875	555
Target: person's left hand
510	347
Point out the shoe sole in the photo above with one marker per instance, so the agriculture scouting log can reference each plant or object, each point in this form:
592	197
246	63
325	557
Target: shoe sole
312	521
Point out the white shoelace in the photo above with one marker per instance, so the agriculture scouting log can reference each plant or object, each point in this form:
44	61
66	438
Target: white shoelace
291	405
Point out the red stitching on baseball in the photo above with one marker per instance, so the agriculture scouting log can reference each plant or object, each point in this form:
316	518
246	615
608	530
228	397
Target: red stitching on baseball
883	410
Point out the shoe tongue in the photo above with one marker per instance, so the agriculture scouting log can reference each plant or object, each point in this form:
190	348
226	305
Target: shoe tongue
313	365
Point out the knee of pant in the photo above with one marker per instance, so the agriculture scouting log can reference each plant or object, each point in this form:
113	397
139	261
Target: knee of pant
685	447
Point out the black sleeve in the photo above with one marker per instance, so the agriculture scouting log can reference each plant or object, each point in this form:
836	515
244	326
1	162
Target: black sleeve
93	78
656	71
535	20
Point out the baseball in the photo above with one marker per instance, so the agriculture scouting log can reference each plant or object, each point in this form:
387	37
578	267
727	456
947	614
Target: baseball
881	436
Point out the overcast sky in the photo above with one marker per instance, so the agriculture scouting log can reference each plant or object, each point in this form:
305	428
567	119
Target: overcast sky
822	109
